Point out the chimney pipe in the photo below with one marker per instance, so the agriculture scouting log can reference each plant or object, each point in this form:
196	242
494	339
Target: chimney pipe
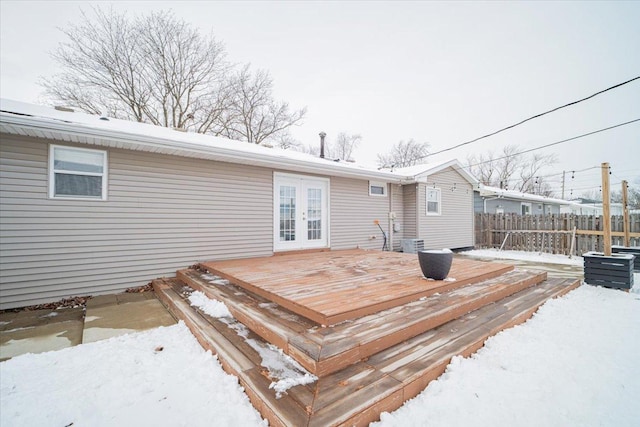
322	135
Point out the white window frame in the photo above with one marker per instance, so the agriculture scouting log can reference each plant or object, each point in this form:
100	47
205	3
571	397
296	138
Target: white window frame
382	185
426	202
523	204
52	173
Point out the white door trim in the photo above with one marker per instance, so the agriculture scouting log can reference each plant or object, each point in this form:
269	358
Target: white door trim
301	182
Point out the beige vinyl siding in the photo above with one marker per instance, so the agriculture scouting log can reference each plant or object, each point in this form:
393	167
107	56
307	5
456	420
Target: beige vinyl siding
162	213
353	211
397	197
454	227
410	214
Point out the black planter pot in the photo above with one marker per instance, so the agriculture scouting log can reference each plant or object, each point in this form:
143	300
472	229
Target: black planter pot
435	264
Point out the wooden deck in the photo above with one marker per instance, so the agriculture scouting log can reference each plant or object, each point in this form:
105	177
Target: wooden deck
366	323
358	393
326	349
334	286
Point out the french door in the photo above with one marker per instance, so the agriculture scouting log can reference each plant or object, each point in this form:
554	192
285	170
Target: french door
301	212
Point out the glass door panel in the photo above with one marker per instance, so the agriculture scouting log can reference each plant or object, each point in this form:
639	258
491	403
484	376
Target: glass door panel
287	213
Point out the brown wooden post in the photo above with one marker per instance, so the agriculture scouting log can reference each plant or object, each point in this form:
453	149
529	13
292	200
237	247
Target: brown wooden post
606	210
625	215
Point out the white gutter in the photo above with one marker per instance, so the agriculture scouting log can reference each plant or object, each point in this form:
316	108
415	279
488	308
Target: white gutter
485	200
138	141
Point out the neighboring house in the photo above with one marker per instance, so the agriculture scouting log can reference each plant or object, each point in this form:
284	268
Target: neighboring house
497	200
582	206
94	205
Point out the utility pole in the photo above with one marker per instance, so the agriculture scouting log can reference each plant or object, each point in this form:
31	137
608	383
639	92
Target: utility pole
606	209
625	215
563	173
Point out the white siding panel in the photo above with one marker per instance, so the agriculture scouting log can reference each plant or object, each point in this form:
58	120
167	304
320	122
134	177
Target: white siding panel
353	211
454	227
162	213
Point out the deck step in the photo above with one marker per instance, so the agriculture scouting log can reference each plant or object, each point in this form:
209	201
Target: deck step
357	394
323	350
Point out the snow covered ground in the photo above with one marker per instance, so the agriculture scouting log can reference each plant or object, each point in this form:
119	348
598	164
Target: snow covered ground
525	256
574	363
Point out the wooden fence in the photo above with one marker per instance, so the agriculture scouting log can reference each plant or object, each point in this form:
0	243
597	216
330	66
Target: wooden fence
551	233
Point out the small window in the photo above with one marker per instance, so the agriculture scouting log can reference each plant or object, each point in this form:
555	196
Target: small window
377	188
77	173
433	201
525	208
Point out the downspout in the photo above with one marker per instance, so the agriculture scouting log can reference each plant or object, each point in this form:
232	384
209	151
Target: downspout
390	220
417	211
485	200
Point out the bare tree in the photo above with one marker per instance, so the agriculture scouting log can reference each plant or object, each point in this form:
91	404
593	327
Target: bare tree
311	149
342	148
159	69
288	142
404	154
254	115
511	170
633	197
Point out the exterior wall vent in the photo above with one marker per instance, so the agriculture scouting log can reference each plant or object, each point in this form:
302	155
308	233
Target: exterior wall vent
412	246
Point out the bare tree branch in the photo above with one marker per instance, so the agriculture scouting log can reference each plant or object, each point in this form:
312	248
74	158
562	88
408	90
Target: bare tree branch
159	69
404	154
510	170
342	148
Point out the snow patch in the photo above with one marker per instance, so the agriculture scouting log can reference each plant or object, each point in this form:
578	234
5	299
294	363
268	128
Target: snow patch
124	381
525	256
570	365
52	314
212	307
283	370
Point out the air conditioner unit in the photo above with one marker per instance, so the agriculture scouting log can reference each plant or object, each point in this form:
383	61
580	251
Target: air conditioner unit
412	246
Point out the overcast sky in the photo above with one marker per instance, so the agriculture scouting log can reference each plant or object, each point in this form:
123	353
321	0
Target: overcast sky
441	73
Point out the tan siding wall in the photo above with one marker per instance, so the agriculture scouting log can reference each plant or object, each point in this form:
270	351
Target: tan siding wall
410	213
353	212
454	227
397	195
162	213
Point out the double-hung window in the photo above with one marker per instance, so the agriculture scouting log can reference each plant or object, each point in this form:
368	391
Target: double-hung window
433	201
77	173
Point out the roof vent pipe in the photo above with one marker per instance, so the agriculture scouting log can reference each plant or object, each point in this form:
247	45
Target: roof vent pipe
322	135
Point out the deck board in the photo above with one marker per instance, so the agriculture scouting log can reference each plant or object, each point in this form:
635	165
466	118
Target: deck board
334	286
323	350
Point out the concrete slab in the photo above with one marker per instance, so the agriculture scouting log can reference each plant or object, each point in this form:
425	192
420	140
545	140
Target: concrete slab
38	331
105	320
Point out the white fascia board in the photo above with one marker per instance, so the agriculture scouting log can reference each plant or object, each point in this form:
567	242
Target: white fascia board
424	177
135	141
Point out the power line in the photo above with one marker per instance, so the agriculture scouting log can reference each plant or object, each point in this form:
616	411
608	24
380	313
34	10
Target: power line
557	142
533	117
558	174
